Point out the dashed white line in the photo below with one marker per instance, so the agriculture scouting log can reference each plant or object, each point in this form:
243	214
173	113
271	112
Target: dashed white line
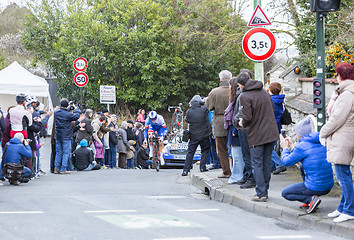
22	212
185	238
198	210
110	211
286	237
166	197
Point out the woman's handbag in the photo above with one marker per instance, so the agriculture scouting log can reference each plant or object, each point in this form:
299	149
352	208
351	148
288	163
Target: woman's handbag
285	118
186	135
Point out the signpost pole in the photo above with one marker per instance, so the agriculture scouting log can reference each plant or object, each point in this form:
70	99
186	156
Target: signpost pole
258	66
108	107
320	65
81	98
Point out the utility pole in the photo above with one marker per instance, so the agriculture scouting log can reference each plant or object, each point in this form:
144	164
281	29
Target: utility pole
320	80
258	66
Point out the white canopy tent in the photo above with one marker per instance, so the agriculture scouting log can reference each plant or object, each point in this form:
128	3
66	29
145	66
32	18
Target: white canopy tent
15	79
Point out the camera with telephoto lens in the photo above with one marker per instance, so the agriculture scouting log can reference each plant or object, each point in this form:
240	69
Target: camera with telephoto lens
71	106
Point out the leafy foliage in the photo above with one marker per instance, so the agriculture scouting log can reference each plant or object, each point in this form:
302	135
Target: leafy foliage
155	52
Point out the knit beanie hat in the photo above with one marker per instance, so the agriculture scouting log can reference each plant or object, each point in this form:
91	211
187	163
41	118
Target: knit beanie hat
83	143
124	125
242	78
19	136
303	127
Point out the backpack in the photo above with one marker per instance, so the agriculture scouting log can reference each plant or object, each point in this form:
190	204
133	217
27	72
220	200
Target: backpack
285	118
13	171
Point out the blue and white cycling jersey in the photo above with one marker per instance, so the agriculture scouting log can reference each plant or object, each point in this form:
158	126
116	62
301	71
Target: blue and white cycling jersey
159	126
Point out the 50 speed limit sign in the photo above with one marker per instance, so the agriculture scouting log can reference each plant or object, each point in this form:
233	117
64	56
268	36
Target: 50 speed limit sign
81	79
259	44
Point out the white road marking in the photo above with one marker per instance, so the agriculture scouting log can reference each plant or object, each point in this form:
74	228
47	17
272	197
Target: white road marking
186	238
166	197
22	212
285	237
198	210
110	211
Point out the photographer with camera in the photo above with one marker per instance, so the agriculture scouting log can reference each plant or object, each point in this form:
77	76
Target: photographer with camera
16	149
63	119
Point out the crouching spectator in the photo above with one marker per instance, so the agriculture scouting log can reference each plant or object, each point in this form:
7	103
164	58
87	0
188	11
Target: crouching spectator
83	158
143	157
315	170
15	150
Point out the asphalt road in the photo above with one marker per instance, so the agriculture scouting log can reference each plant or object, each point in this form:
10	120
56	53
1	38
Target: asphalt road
129	204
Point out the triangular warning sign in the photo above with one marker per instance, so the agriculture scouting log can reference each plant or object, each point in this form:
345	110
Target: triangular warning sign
258	18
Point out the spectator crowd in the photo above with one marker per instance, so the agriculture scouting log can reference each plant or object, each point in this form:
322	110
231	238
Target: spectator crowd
239	120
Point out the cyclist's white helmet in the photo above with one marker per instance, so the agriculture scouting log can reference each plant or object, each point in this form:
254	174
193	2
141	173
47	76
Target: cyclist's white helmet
31	99
152	115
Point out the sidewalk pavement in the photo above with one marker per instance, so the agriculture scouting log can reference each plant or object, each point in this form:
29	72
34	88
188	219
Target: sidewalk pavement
276	207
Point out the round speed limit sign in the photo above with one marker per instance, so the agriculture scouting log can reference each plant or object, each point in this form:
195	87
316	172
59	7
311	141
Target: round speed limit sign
81	79
259	44
80	64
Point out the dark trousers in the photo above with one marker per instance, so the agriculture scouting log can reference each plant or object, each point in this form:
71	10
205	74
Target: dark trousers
192	147
52	158
299	192
121	160
223	155
247	171
261	157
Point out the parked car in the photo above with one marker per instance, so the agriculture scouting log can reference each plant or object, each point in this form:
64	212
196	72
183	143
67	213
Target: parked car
175	151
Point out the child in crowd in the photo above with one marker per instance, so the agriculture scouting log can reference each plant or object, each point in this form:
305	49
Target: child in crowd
99	150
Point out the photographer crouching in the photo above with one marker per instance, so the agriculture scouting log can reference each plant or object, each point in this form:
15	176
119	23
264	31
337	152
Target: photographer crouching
11	165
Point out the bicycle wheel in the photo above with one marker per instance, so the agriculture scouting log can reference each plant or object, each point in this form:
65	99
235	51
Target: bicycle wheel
156	161
174	122
179	122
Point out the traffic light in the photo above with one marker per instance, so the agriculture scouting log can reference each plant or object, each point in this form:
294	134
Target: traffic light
318	100
324	5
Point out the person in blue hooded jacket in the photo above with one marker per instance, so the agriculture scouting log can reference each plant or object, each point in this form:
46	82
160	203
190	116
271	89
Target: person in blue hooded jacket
315	170
278	100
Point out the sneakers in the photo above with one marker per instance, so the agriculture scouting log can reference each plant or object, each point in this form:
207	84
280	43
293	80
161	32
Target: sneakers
304	206
256	198
212	168
241	182
279	170
342	218
248	184
184	173
56	171
41	172
334	214
313	204
65	172
204	170
13	182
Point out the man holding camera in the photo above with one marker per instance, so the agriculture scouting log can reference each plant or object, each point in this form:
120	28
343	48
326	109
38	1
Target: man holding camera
63	119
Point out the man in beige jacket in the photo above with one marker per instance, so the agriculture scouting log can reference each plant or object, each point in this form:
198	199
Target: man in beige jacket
218	100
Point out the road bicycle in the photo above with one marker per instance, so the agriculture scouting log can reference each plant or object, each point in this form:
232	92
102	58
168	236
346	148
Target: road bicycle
177	118
154	143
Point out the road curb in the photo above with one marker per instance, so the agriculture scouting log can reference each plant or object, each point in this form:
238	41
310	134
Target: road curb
220	192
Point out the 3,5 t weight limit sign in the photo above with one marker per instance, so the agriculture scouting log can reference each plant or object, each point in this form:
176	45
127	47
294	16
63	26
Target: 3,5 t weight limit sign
259	44
81	79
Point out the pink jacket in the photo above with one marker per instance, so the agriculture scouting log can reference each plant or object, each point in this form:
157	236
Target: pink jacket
99	149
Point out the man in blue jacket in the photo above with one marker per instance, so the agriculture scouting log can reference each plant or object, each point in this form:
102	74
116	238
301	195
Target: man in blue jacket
17	148
63	119
315	170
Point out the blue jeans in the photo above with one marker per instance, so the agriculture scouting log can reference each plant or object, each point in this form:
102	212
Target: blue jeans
345	180
192	147
26	172
247	172
239	164
89	168
276	161
130	163
63	150
213	156
262	167
112	157
298	192
147	164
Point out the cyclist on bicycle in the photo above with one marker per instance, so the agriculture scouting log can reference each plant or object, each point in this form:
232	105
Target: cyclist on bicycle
155	123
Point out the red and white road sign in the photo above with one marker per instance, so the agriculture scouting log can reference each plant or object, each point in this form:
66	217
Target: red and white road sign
258	18
80	64
81	79
259	44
